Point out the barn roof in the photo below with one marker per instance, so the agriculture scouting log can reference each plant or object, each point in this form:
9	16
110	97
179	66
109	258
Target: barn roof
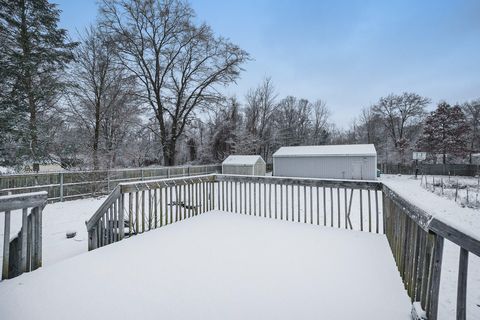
328	150
242	160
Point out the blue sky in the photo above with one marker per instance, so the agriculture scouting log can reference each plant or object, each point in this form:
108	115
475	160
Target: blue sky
348	53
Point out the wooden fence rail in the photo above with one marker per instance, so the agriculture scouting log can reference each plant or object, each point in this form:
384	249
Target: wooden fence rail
415	237
137	207
314	201
78	184
24	252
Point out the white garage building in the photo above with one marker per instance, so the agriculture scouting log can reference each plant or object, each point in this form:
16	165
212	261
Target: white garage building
355	161
244	165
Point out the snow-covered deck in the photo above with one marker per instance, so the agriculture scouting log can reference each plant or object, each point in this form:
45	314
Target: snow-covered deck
219	266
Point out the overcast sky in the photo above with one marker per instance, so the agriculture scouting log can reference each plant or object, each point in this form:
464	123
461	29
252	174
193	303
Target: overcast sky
348	53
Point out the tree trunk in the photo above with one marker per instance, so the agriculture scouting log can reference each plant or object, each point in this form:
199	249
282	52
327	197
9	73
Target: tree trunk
32	108
96	137
169	153
33	125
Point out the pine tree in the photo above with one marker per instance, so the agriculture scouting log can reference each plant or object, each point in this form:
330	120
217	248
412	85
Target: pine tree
34	52
445	131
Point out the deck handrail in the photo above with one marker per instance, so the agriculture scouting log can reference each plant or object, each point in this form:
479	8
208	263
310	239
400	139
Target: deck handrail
416	238
113	219
114	195
23	253
22	200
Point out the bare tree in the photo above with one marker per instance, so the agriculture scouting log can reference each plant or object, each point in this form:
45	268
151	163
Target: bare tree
259	112
102	94
321	115
399	112
292	122
179	64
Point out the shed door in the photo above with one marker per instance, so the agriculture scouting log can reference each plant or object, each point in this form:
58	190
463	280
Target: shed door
357	169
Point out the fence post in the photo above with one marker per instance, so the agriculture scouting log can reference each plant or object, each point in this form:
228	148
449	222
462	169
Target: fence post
141	170
108	180
6	245
61	186
188	171
456	191
168	172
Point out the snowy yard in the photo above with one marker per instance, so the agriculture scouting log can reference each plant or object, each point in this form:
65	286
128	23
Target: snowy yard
219	266
463	190
58	218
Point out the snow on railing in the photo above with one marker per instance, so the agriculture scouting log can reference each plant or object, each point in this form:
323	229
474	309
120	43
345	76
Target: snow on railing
136	207
315	201
150	204
23	253
416	239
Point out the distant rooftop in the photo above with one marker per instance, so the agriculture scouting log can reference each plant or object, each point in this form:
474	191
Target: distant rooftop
242	160
328	150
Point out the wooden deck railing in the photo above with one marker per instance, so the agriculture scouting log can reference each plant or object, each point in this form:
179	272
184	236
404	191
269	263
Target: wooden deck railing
416	239
314	201
137	207
24	252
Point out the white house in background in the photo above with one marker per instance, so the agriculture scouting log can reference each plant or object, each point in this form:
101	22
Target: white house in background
354	161
244	165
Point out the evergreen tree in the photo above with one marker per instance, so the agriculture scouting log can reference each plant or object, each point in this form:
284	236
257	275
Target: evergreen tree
445	131
34	51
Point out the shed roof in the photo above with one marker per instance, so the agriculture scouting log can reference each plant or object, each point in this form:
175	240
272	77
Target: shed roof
328	150
242	160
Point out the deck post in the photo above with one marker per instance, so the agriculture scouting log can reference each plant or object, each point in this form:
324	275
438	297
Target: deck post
61	186
6	245
432	311
121	219
462	285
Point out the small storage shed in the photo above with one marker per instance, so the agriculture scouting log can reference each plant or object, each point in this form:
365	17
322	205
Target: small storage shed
355	161
244	165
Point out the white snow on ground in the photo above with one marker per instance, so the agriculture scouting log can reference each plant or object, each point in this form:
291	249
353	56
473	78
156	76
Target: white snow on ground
465	219
58	218
6	170
219	266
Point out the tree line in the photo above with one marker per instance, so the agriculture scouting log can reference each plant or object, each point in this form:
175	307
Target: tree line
400	124
143	85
